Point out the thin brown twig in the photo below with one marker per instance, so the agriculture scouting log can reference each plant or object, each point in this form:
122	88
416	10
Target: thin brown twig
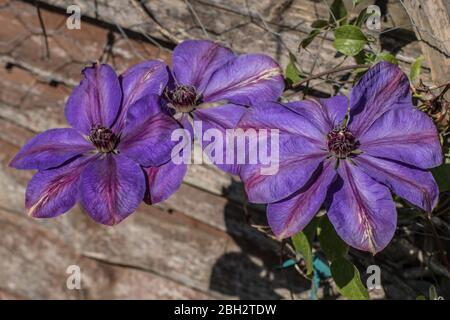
440	86
319	75
44	31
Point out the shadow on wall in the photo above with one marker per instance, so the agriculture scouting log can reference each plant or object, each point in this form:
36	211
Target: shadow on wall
401	34
250	272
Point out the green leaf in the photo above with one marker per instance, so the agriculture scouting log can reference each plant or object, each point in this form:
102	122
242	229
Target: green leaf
331	244
349	40
362	17
415	68
319	24
385	56
421	297
292	74
311	229
432	293
442	176
348	280
305	42
338	11
303	244
356	2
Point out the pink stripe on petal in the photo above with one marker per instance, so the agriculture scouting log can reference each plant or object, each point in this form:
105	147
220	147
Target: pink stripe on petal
406	135
246	80
194	61
163	181
51	148
291	215
148	77
96	100
112	188
55	191
413	184
384	87
361	209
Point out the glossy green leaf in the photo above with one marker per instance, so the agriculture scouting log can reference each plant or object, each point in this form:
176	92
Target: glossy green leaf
319	24
348	280
362	17
305	42
303	244
442	176
349	40
330	243
338	11
292	74
432	293
385	56
415	68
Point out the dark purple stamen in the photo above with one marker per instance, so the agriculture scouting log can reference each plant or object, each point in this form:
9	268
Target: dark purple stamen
341	142
183	98
103	139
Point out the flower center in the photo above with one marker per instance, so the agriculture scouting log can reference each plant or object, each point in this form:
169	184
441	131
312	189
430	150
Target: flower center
183	98
341	142
103	139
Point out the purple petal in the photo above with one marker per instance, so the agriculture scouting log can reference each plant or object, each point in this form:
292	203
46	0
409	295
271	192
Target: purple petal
286	118
301	149
324	114
50	149
186	124
221	118
96	100
147	135
246	80
149	77
111	188
361	210
384	87
298	159
406	135
194	61
291	215
55	191
413	184
163	181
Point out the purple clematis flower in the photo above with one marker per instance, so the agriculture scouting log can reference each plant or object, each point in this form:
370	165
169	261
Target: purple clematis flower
351	166
211	84
118	128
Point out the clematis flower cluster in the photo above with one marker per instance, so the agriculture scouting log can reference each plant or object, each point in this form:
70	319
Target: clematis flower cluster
350	162
117	129
347	155
118	151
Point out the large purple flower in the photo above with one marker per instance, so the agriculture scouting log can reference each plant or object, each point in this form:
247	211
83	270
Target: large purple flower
385	145
118	128
213	85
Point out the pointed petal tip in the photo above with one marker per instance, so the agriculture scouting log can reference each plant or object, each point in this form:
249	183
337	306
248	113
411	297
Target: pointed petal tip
284	235
13	163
